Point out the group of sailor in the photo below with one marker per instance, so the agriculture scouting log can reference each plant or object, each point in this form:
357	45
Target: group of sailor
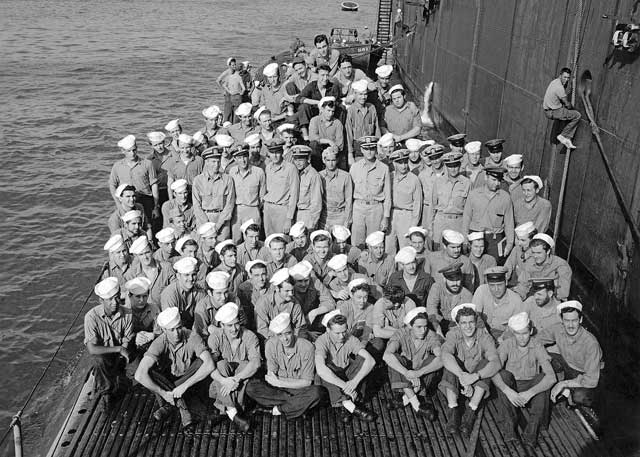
246	259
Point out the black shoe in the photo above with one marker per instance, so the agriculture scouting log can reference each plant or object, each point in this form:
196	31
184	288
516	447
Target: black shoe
529	448
345	416
468	420
364	414
453	420
189	429
395	401
162	413
241	422
262	409
427	412
107	402
591	417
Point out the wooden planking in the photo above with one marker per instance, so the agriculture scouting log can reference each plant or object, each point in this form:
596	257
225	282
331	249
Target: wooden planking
130	431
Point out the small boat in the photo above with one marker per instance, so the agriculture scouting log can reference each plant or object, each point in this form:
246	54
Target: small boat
349	6
362	50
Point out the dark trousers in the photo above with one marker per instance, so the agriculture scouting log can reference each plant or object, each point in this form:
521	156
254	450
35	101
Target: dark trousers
376	347
291	402
491	246
572	117
147	203
349	372
538	406
580	395
451	381
398	381
108	370
168	381
231	102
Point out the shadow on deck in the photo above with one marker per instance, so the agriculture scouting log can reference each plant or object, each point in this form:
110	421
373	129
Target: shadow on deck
129	430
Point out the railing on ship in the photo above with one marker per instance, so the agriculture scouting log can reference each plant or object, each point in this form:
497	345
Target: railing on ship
16	422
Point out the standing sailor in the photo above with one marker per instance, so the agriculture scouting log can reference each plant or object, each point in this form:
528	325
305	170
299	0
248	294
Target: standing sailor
159	158
119	259
250	184
362	120
532	207
310	196
180	202
401	117
281	198
272	93
337	193
184	165
231	82
240	130
406	196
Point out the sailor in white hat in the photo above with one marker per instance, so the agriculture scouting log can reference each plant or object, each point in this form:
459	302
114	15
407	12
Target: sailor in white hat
126	195
315	296
383	84
300	246
251	245
131	226
244	126
480	260
512	177
386	145
257	286
415	146
254	142
179	203
452	242
523	382
287	388
496	301
218	294
108	335
174	128
352	361
183	293
159	156
320	254
233	86
279	299
144	313
409	273
411	372
466	372
579	357
523	235
361	119
160	274
275	253
359	313
533	207
340	243
228	255
166	242
542	263
189	363
184	165
402	117
233	368
272	93
417	237
208	236
119	259
341	275
406	195
472	166
378	265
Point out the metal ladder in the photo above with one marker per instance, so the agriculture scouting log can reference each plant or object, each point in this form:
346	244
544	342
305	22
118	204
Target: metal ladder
383	27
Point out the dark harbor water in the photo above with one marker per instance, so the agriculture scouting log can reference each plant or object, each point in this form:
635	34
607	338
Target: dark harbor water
75	77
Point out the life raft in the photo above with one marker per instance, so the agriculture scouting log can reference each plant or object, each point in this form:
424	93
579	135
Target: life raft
349	6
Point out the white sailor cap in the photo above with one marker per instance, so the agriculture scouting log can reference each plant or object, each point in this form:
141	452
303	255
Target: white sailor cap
258	112
156	137
207	230
244	109
524	229
128	142
169	318
330	315
114	243
227	313
273	236
324	100
546	238
395	88
280	323
198	137
536	179
226	124
340	232
183	138
217	280
131	215
406	255
230	59
513	160
386	140
166	235
297	229
414	144
362	85
223	140
375	238
212	112
457	308
452	236
252	263
474	236
384	71
473	146
138	286
221	245
301	270
270	69
317	233
245	63
181	242
171	125
355	283
139	245
185	265
246	224
338	262
519	322
411	315
107	288
253	139
413	230
121	188
569	304
179	185
279	276
286	126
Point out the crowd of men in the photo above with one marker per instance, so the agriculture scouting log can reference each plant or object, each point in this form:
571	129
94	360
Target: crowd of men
316	237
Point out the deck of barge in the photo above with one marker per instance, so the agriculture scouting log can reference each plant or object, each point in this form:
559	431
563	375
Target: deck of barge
129	430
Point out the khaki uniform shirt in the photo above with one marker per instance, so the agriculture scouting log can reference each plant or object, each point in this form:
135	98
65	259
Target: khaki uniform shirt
554	267
402	343
538	212
400	121
523	363
170	206
378	271
372	182
165	275
177	357
270	305
482	347
339	354
320	129
496	312
247	351
142	175
185	301
337	192
250	185
213	194
386	316
101	330
490	212
450	195
292	363
542	316
361	121
440	301
310	197
177	169
283	186
407	195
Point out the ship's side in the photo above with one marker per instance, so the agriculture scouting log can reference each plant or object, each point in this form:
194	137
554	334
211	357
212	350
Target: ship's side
491	61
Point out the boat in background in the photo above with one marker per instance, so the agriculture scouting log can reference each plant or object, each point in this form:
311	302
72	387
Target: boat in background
349	6
363	51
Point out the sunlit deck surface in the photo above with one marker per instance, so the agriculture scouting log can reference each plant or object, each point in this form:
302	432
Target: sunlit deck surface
129	430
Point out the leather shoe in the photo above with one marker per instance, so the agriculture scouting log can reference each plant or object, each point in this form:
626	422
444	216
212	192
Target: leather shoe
241	422
162	413
395	401
468	419
364	414
453	420
427	412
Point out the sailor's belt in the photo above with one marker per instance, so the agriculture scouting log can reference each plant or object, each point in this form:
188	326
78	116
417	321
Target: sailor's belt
368	202
494	233
449	215
212	210
277	204
402	209
248	206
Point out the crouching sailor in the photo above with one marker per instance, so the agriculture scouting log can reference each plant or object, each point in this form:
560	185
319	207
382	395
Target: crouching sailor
287	388
175	362
521	384
236	353
343	364
108	332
